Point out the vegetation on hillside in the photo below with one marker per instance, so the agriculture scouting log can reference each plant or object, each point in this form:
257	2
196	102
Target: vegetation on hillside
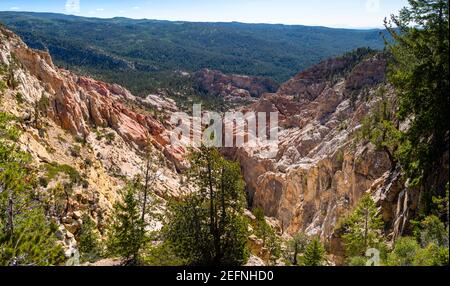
143	55
27	236
208	227
419	71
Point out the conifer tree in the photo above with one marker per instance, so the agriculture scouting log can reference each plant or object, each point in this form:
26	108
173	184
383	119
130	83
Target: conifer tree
126	238
89	240
208	227
296	246
363	229
314	254
419	71
133	213
27	237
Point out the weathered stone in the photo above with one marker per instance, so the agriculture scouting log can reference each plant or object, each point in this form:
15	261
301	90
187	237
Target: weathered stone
233	87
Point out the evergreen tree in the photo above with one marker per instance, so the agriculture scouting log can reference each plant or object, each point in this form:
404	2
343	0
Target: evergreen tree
126	239
262	229
408	252
314	254
273	245
363	229
380	127
33	242
133	215
419	71
432	230
295	247
404	253
270	240
89	240
208	227
26	235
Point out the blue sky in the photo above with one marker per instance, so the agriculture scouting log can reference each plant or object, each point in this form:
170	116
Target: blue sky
331	13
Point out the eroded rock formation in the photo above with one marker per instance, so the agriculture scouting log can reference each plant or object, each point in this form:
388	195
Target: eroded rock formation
322	169
80	104
233	87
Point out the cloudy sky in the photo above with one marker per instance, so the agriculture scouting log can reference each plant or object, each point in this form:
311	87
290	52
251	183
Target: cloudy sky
331	13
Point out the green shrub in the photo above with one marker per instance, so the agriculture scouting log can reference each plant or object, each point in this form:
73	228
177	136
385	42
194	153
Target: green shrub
88	163
19	98
110	137
54	169
357	261
3	86
75	151
85	184
43	103
43	182
79	139
41	132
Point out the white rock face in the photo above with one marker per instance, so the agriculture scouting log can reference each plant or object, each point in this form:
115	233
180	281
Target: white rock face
321	169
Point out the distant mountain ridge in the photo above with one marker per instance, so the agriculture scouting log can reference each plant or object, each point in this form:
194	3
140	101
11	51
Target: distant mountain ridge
135	53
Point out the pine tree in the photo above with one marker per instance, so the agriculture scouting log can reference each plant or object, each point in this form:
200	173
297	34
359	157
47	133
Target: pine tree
89	240
208	227
262	228
314	254
363	229
295	247
419	71
381	126
33	242
27	237
265	232
273	245
129	236
126	238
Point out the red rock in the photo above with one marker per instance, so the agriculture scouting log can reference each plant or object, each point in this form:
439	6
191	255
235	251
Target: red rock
79	102
233	86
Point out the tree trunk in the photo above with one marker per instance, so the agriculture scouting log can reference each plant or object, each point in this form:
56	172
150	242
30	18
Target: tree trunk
212	213
295	262
10	215
147	179
366	227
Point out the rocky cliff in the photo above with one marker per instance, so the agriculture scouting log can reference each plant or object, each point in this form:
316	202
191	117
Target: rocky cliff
322	168
233	87
85	131
319	174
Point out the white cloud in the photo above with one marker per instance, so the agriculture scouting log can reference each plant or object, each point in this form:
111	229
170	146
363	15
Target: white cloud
100	9
136	8
14	8
73	6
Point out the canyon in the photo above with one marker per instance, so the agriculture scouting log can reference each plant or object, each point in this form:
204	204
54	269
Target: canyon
317	177
322	167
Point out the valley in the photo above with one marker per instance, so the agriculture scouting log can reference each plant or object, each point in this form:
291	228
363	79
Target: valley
87	145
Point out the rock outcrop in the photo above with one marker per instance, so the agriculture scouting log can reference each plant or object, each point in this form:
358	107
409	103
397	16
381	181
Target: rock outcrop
321	169
233	87
318	174
98	132
80	104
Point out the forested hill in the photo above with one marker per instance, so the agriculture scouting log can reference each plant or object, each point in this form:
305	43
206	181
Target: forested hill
255	49
114	49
